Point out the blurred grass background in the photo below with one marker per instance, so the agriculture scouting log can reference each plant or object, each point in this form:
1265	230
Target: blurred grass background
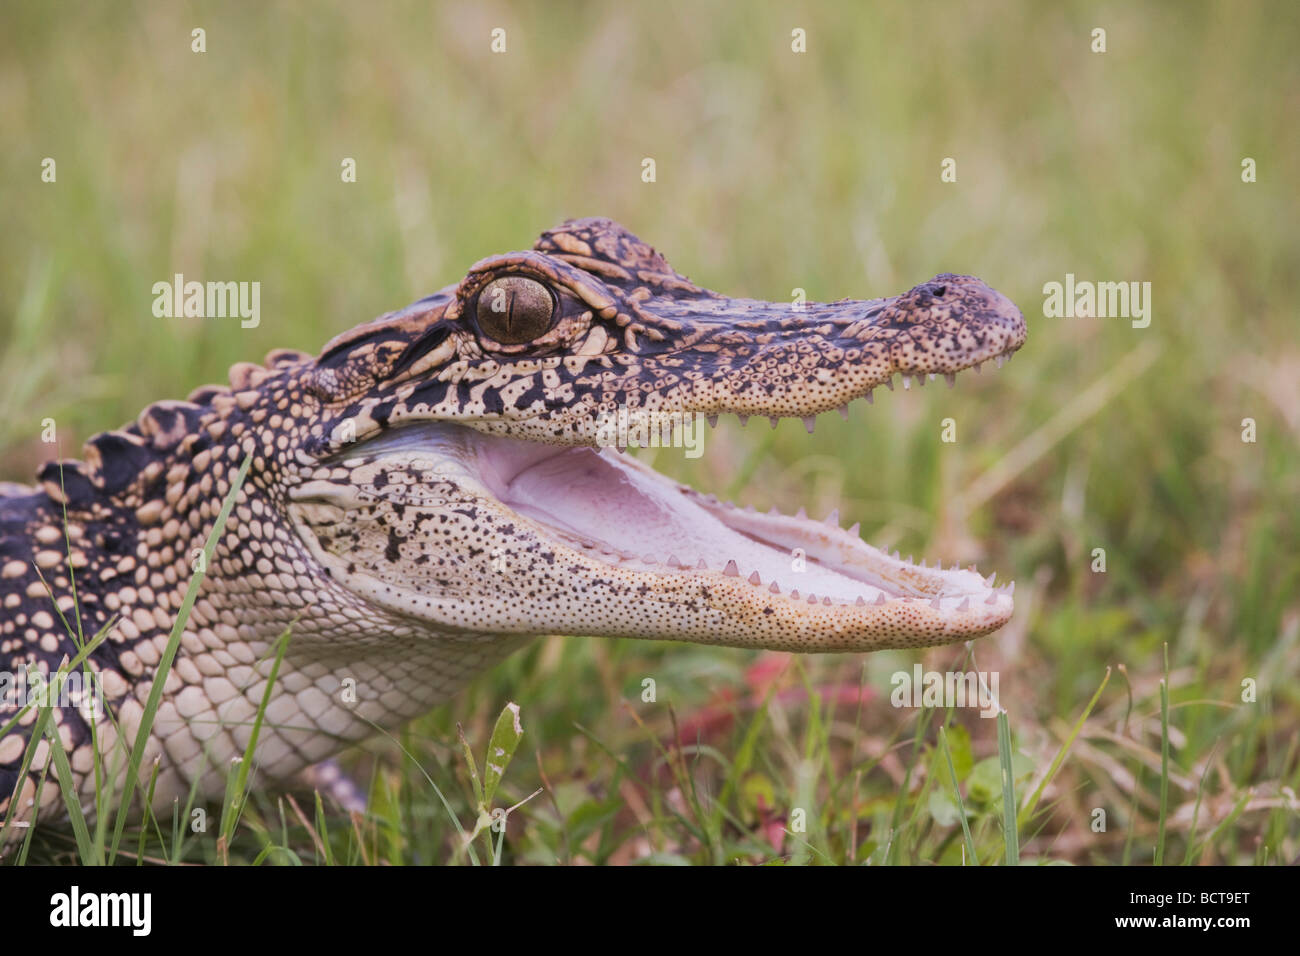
775	170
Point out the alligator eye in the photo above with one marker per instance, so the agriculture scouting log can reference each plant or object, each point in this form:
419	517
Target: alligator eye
513	310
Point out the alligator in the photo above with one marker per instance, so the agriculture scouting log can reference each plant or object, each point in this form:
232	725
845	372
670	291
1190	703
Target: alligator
431	492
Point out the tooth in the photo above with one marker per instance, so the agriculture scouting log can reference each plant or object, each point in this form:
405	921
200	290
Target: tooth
932	376
844	412
810	423
889	383
870	400
754	579
773	511
673	562
712	499
999	360
895	555
749	510
801	514
744	420
649	559
923	562
731	570
964	605
907	382
702	566
935	604
773	420
812	599
880	599
950	378
989	580
991	599
856	529
713	421
860	602
1011	588
909	559
834	518
794	595
774	588
826	601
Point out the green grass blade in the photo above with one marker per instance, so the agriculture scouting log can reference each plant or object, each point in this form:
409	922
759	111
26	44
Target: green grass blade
230	812
323	829
451	814
31	828
76	661
91	855
1010	831
971	855
1196	808
149	815
1164	762
1027	810
38	731
893	847
169	653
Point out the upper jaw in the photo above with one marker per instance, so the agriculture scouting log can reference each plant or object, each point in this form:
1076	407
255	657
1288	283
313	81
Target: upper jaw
711	354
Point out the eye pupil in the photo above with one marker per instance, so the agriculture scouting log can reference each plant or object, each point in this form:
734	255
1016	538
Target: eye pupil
514	310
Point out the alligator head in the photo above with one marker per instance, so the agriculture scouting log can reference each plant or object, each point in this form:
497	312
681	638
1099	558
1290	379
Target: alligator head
455	473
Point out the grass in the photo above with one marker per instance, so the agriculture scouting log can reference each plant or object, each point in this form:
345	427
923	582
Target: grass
775	170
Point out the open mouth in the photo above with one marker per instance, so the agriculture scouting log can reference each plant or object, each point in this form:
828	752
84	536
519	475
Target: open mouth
621	514
620	511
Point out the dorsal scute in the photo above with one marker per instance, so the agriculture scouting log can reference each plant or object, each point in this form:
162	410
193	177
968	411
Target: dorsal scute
134	456
68	483
166	424
204	394
111	462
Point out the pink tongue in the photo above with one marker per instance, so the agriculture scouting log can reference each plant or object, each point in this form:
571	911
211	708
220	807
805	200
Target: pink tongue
591	496
584	493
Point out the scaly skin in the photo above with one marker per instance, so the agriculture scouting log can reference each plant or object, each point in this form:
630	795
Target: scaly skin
424	499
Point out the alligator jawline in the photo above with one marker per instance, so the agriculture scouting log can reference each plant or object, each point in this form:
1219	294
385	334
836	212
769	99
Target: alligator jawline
615	509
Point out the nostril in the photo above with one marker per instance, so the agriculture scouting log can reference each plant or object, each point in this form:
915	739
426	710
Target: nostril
938	291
